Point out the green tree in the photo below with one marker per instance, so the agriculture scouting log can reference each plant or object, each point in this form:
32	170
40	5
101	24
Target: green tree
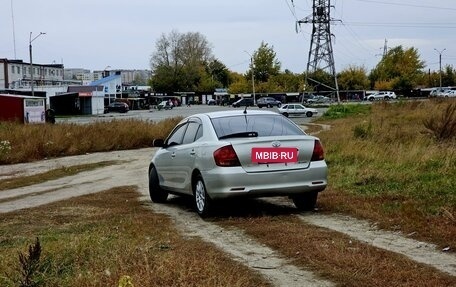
265	64
179	62
219	74
238	84
399	69
448	76
353	78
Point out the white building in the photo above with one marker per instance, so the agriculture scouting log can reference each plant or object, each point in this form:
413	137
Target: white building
15	74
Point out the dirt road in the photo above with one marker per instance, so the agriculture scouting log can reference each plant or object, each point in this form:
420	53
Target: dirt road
132	170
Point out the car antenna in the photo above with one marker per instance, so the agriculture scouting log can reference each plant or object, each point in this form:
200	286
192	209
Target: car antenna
245	110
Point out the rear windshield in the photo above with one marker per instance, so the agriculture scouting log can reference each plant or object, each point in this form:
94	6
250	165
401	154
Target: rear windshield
264	125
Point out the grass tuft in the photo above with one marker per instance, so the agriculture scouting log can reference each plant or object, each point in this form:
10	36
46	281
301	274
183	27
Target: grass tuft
443	125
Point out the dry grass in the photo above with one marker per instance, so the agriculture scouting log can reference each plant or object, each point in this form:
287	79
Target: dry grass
385	166
17	182
98	239
336	256
24	143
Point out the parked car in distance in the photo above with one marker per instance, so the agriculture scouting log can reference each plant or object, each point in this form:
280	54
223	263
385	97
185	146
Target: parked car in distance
317	99
243	102
212	102
268	102
120	107
232	154
297	110
382	96
165	105
448	94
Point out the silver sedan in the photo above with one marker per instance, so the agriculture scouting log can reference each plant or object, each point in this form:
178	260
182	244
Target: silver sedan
242	153
297	110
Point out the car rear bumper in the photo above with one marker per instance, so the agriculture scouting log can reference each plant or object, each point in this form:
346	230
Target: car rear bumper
233	182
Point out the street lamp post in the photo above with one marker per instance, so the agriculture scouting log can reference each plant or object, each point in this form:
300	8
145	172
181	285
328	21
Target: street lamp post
253	77
31	62
440	66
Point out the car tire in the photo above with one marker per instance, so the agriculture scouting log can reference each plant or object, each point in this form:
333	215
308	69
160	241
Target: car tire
157	194
285	114
260	106
309	114
279	105
202	199
306	201
269	106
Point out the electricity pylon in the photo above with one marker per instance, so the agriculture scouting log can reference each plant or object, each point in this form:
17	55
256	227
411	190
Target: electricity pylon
321	56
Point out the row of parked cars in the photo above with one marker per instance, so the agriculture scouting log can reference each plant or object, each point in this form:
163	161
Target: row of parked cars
444	93
269	102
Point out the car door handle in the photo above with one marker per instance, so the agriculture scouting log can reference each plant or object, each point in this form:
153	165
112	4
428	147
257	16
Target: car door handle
192	152
173	154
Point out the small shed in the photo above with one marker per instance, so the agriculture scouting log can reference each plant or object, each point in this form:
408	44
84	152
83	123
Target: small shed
24	109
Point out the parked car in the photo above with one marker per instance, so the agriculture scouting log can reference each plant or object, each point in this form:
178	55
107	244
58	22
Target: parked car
120	107
165	105
212	102
317	99
230	154
297	110
268	102
243	102
448	94
382	96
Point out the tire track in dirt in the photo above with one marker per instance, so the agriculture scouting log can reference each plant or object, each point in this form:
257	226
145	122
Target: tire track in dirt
243	249
392	241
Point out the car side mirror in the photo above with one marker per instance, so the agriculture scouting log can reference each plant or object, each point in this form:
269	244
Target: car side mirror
158	143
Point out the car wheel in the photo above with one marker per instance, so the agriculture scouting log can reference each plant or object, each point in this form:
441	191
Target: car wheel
279	105
269	106
202	199
305	201
309	114
157	194
285	114
259	106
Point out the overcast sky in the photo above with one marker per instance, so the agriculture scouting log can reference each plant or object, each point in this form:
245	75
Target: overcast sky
96	34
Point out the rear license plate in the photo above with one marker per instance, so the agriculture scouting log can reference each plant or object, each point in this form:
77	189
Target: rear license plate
274	154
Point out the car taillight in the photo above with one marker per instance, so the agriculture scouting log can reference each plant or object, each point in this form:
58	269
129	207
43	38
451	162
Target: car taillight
318	153
226	156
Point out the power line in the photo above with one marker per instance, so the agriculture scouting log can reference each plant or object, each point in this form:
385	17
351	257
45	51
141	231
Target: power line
404	25
407	5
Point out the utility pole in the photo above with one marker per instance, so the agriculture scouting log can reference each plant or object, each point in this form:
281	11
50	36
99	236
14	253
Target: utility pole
321	56
440	66
253	76
31	62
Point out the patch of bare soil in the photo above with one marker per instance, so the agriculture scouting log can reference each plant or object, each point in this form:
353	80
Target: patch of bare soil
133	171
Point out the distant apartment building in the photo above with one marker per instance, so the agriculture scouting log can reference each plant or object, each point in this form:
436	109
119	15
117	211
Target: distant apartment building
129	77
83	75
17	74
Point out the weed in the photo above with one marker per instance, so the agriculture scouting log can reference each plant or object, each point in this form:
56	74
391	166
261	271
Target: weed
30	265
443	126
361	131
